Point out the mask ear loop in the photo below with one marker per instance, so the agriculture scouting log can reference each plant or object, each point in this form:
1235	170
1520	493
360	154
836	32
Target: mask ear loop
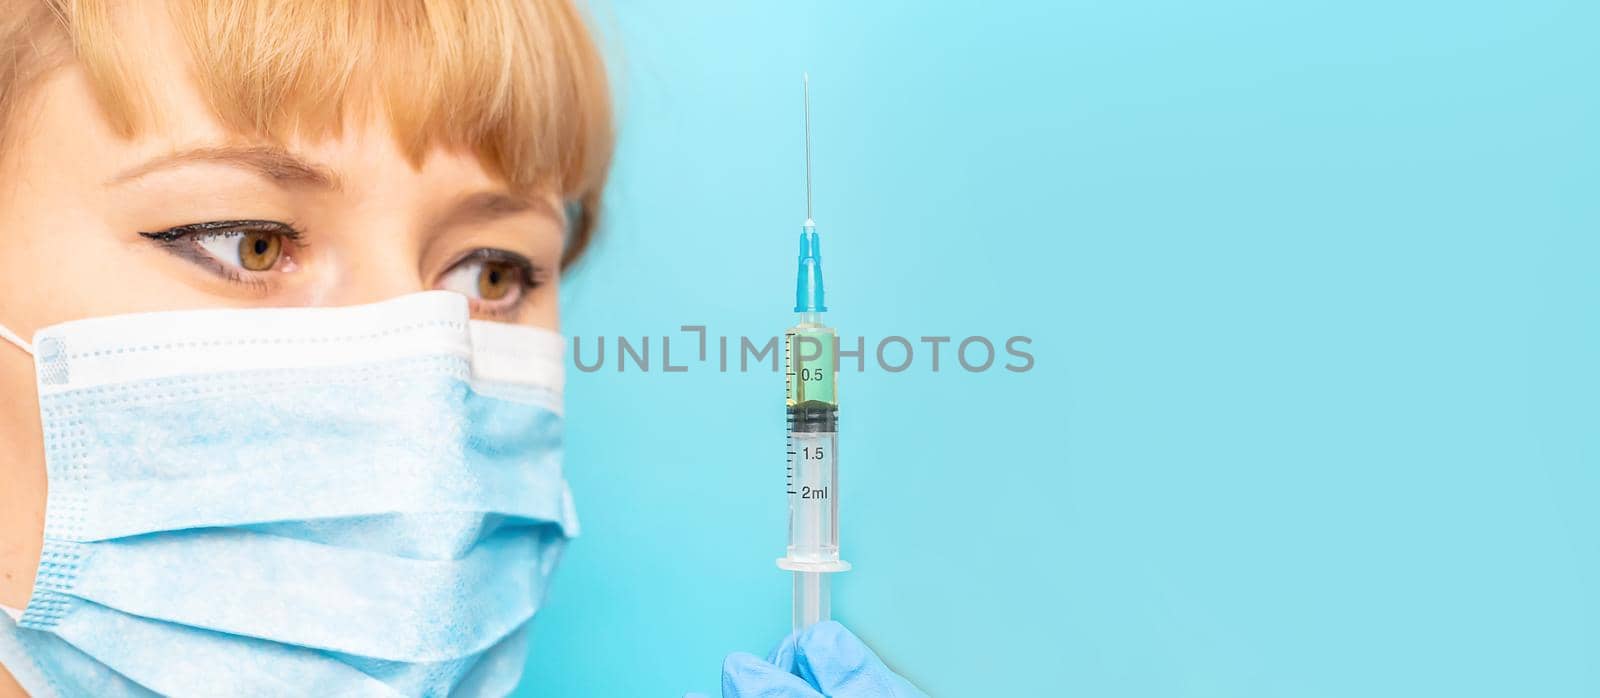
12	337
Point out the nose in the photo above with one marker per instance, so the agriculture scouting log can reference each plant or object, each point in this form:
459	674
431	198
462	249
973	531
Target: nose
371	268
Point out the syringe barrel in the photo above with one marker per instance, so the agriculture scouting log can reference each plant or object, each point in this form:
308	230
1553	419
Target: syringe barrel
813	416
814	497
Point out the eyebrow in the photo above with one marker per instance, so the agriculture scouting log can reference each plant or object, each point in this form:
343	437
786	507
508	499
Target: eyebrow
488	206
272	162
280	165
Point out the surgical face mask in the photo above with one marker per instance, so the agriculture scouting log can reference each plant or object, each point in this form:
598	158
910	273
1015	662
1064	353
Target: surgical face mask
317	501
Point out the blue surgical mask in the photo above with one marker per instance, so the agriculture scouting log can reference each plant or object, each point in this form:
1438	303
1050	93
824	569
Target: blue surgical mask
361	501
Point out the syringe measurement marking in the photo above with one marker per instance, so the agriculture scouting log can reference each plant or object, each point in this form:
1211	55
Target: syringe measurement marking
789	438
788	365
811	453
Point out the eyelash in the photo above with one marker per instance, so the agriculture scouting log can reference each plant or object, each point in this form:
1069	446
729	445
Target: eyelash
529	277
184	241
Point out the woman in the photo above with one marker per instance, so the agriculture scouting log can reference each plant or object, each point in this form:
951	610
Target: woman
278	302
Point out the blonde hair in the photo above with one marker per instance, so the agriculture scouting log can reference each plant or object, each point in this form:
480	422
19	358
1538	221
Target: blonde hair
518	82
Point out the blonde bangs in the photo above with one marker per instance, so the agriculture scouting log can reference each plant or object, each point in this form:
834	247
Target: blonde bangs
518	82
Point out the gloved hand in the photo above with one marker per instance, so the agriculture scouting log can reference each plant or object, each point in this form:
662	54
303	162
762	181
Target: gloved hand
822	660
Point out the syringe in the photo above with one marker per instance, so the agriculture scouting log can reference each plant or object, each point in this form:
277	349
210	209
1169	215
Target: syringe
813	414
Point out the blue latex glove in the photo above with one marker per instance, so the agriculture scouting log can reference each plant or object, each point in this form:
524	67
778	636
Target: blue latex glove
822	660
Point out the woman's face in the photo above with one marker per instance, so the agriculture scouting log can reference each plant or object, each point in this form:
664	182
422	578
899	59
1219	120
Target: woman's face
188	215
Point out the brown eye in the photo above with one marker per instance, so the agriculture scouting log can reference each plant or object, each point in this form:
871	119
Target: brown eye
496	280
259	251
233	250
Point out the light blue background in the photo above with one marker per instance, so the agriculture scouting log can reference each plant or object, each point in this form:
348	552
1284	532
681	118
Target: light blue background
1313	294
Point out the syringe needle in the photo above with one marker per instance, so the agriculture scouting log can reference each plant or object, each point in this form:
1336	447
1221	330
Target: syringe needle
805	79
